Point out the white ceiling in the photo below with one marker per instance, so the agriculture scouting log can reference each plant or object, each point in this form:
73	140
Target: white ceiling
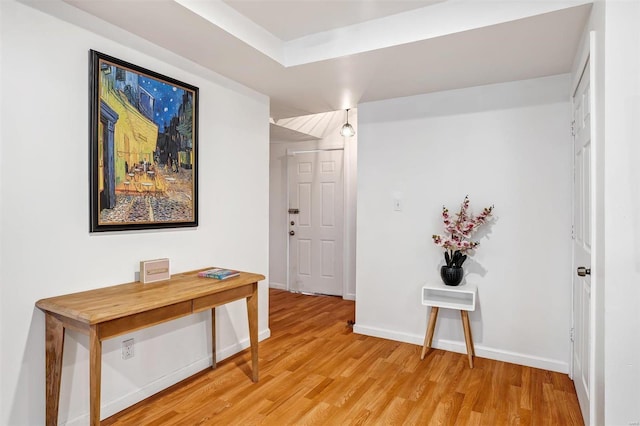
283	133
291	19
294	52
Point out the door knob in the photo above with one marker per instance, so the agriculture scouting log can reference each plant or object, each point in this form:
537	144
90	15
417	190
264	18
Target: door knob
582	271
292	232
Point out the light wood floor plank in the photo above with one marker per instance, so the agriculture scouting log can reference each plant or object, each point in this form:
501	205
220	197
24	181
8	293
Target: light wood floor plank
315	371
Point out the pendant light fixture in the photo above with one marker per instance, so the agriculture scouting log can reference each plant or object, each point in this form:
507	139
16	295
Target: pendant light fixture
347	129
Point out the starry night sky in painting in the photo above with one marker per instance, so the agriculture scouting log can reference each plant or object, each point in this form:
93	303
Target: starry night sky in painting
167	100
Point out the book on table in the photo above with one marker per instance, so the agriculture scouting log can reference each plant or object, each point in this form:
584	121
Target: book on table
219	273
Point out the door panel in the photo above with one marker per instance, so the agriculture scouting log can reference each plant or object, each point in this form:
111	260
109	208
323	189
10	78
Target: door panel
328	259
582	312
316	231
304	257
328	204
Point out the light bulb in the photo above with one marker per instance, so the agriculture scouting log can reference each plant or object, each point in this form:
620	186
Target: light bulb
347	130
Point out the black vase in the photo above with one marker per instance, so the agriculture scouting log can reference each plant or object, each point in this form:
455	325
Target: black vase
451	275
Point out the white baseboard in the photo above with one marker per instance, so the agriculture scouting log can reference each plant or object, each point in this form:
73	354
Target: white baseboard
387	334
112	407
460	347
349	296
277	286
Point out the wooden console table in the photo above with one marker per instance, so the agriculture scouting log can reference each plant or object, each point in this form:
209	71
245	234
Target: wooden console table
111	311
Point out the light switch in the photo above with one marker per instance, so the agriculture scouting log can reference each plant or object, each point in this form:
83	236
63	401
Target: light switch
397	204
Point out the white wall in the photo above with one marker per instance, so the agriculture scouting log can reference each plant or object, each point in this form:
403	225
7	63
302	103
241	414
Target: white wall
507	144
44	215
622	220
328	126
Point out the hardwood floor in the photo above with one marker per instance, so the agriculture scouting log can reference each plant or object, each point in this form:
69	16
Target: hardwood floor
315	371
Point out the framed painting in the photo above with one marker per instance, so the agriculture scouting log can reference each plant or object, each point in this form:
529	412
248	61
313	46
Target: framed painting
143	148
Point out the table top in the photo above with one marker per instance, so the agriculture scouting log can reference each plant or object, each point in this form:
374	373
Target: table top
108	303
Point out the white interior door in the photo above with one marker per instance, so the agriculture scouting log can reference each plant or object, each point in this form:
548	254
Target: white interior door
316	231
582	243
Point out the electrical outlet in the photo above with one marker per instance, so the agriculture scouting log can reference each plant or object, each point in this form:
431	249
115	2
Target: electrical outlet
127	349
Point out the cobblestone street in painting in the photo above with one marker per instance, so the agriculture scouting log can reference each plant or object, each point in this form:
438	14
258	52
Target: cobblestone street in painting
165	198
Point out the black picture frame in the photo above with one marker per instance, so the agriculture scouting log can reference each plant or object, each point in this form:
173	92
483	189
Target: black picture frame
143	148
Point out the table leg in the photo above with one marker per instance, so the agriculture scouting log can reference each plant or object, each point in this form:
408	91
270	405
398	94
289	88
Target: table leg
428	337
467	337
213	338
95	366
54	345
473	349
252	310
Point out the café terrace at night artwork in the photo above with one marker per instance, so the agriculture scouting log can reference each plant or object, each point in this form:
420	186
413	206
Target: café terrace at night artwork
143	148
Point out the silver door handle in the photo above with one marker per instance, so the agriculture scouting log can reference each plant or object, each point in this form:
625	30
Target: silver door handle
582	271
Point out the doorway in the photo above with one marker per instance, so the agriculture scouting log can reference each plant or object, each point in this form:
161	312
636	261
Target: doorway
316	221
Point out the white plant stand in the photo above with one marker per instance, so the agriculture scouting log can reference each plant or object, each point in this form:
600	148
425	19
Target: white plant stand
462	297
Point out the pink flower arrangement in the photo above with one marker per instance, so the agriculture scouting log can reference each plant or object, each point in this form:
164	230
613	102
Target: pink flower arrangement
458	230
